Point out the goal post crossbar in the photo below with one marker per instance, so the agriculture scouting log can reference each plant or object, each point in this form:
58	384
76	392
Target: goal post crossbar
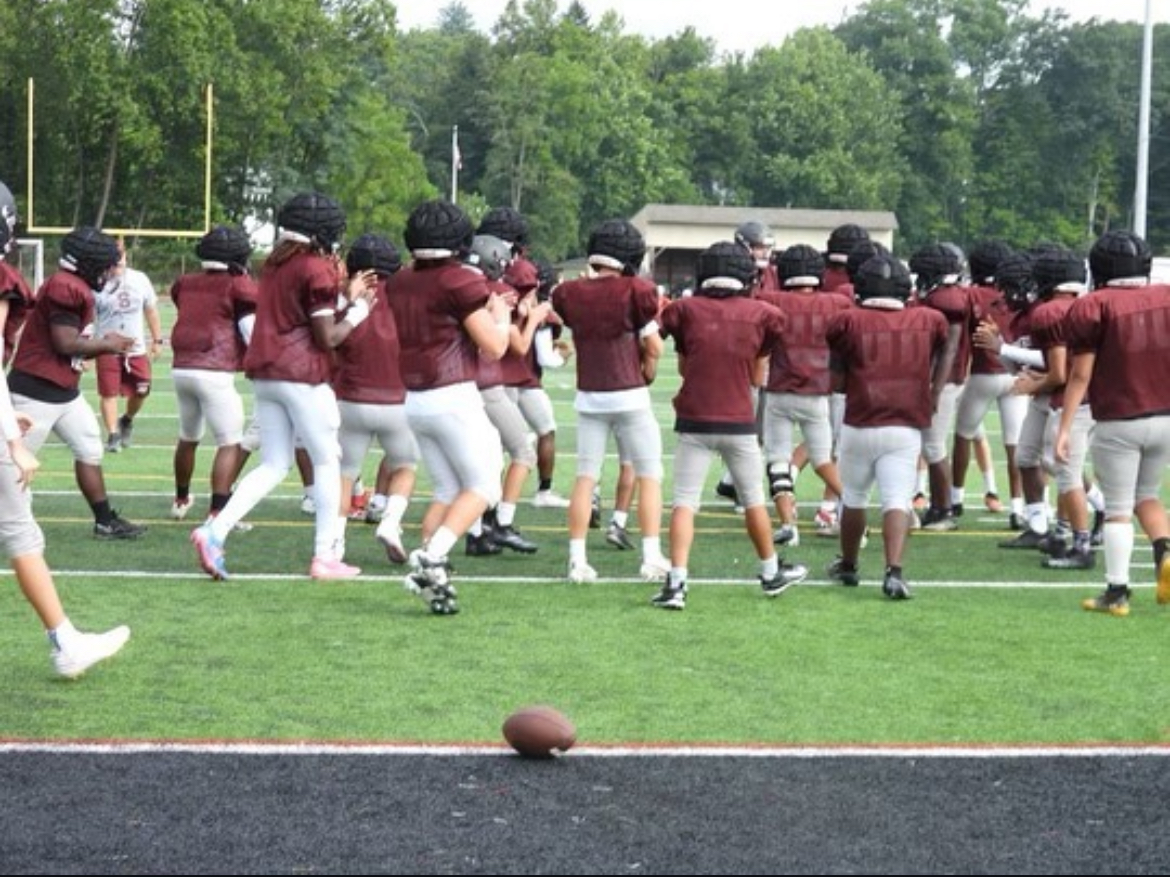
32	228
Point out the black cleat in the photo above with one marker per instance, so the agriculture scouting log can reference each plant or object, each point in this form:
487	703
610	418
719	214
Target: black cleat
1028	538
510	537
895	587
481	546
786	576
117	528
842	572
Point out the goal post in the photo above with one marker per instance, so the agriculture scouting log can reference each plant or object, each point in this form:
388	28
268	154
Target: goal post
29	255
31	224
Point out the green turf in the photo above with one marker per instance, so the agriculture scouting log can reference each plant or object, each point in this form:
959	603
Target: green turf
992	649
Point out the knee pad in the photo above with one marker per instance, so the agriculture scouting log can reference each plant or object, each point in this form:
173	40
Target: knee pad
781	479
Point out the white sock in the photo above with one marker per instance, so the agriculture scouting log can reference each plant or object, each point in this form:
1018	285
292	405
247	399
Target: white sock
63	634
1037	515
395	509
678	575
576	551
769	566
651	548
506	513
989	482
1118	551
620	518
1096	498
957	496
441	543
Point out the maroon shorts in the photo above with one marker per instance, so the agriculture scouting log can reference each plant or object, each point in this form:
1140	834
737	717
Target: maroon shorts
119	375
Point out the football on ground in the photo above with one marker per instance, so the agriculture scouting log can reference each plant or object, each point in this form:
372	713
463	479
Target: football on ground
539	731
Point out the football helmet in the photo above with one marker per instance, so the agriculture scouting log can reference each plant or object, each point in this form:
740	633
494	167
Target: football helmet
1013	277
1059	270
225	245
935	265
7	218
842	240
438	230
861	253
617	243
316	217
758	240
725	269
1119	254
371	252
800	265
90	254
985	258
490	255
505	223
882	276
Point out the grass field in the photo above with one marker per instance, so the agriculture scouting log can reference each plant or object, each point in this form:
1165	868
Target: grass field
992	649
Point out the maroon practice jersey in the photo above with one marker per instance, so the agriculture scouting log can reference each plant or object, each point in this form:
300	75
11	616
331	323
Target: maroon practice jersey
366	368
801	364
16	292
490	372
767	280
206	333
64	299
836	277
605	315
887	357
719	342
1047	331
988	304
282	346
430	301
954	302
1127	328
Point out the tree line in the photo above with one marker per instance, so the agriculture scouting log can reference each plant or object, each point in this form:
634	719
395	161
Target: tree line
968	119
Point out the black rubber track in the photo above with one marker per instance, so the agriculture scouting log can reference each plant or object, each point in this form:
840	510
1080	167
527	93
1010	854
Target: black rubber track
194	813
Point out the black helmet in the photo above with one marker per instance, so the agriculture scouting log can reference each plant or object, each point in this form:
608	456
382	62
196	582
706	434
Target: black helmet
90	254
226	245
843	239
490	255
1118	254
725	269
1013	277
882	276
315	216
372	252
1059	270
506	223
616	243
861	253
7	218
800	265
985	258
935	265
438	230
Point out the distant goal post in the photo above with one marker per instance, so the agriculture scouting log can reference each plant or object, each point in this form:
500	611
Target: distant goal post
33	229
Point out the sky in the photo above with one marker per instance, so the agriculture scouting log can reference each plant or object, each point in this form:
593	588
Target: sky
748	24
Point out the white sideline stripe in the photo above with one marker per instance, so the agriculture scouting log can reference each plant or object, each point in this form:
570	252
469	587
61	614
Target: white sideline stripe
747	581
115	747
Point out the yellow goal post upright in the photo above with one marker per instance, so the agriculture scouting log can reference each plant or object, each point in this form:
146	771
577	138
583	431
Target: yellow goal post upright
32	228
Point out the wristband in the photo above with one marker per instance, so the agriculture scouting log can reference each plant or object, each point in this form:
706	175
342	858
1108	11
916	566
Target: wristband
357	313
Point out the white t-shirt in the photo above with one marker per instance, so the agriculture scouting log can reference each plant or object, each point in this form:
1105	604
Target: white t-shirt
121	306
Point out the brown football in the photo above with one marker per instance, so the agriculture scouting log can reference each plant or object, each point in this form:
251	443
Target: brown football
539	731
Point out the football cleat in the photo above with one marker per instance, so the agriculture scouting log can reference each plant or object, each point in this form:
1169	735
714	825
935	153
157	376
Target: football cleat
842	572
786	576
1113	600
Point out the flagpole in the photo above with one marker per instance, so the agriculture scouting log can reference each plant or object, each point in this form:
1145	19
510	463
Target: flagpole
454	164
1143	157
